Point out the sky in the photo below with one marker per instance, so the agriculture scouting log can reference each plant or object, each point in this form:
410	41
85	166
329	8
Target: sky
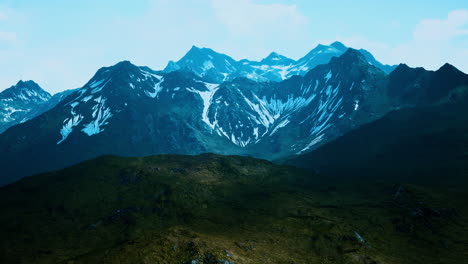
60	44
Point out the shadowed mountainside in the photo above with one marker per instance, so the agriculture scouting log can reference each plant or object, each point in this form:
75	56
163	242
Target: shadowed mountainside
224	209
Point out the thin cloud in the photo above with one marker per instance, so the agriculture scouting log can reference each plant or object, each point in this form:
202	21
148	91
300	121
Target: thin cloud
432	43
455	25
242	17
437	41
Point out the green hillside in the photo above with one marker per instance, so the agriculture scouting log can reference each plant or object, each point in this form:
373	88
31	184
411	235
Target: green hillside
224	209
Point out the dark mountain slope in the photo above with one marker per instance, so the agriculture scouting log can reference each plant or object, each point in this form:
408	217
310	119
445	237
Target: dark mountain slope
123	109
135	111
428	143
417	86
222	209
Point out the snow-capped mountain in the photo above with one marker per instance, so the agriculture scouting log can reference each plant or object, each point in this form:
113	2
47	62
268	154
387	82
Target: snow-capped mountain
17	102
205	63
155	111
135	111
302	112
217	67
24	101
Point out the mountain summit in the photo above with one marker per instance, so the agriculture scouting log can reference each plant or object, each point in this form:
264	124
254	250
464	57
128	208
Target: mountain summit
216	67
18	101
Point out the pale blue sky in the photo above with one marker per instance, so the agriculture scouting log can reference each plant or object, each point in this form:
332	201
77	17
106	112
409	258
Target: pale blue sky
60	43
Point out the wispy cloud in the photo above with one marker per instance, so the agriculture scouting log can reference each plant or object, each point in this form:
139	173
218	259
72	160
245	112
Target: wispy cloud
245	17
63	52
455	25
432	43
437	41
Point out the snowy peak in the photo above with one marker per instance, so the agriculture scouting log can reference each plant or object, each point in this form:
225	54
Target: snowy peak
206	63
276	59
123	78
27	91
18	101
125	91
91	108
217	67
319	49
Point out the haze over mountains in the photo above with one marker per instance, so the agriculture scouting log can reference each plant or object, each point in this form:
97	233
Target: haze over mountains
208	102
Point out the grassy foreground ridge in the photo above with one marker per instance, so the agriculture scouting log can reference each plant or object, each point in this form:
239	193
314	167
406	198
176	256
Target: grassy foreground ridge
225	209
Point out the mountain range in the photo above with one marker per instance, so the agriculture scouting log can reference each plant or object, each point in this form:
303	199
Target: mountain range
216	67
24	101
135	111
369	163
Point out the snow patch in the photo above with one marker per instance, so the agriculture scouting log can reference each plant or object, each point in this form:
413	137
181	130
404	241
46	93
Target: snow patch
280	125
315	141
356	105
101	114
207	97
207	65
329	75
87	98
157	88
69	123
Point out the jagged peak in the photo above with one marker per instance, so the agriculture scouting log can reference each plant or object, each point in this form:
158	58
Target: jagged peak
276	57
351	58
202	53
29	84
448	67
352	54
171	66
124	63
24	88
403	67
120	70
318	49
367	53
197	50
321	46
21	82
339	45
